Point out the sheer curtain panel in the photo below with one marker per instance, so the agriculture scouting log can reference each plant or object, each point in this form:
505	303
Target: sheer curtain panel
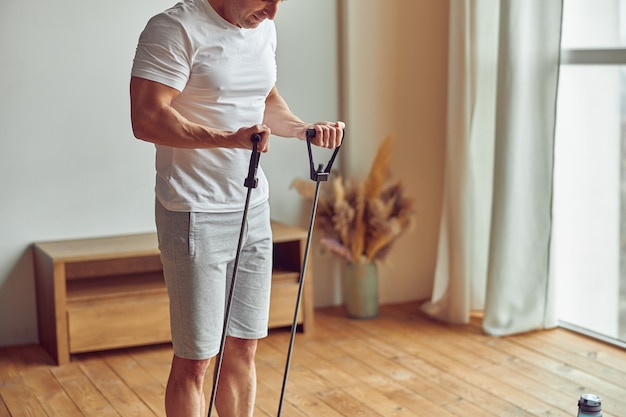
495	229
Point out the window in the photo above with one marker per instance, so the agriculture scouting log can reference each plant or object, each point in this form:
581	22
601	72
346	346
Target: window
589	231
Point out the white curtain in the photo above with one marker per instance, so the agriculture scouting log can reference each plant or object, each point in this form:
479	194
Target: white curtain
495	229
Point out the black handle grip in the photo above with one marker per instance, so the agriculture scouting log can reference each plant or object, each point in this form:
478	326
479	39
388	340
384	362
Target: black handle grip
321	173
251	180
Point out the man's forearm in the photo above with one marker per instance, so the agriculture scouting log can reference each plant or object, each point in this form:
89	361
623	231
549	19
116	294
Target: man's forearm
280	119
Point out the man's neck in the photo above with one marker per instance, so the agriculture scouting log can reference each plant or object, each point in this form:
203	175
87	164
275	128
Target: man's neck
218	6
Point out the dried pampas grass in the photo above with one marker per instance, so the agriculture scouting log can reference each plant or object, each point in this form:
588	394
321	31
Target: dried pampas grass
362	219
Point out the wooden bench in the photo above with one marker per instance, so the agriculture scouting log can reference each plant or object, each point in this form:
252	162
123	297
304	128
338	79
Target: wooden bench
105	293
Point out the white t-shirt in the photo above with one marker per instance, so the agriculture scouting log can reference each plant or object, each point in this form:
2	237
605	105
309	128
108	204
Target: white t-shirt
224	74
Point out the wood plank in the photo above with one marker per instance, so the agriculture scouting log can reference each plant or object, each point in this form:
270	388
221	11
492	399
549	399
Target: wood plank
345	404
83	392
20	400
417	374
283	232
312	405
285	277
50	294
543	378
553	382
521	375
368	372
601	353
268	397
445	391
460	362
4	411
144	385
50	394
283	305
120	323
80	270
416	402
118	394
610	369
90	249
323	367
567	378
155	360
379	402
117	287
400	364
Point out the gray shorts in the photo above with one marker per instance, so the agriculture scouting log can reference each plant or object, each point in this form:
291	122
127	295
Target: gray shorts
198	252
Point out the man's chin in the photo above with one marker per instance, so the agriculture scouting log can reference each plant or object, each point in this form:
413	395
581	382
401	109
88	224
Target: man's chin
254	21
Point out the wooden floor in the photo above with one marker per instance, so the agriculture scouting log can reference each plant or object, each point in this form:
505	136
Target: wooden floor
400	364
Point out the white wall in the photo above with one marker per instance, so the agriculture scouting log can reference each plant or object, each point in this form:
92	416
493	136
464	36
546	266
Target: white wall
69	164
393	67
395	82
71	168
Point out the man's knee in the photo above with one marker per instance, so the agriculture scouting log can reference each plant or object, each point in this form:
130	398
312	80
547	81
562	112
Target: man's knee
241	350
189	369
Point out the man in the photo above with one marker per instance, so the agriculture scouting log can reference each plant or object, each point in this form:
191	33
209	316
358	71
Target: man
203	81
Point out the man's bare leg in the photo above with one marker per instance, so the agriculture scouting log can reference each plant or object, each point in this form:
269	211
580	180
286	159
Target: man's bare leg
184	395
236	391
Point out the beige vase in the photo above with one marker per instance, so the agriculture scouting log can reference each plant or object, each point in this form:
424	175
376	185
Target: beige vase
361	290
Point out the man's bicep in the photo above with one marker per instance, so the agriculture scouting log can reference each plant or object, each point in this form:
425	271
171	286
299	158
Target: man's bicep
149	93
147	100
